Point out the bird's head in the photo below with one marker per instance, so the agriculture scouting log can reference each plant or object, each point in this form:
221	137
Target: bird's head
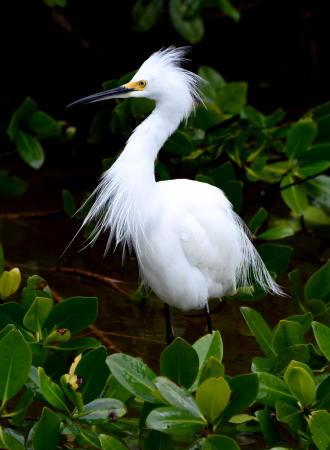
160	78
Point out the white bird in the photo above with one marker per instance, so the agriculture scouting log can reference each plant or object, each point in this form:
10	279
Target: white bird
189	243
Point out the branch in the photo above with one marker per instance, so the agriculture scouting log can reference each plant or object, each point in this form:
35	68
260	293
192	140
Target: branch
301	181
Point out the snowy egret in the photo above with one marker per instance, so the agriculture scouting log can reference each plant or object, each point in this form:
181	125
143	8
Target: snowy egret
189	243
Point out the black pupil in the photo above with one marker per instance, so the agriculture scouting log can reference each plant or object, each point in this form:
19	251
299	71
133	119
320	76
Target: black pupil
141	83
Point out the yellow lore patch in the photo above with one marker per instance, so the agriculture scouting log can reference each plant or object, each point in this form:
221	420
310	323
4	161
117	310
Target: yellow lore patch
136	85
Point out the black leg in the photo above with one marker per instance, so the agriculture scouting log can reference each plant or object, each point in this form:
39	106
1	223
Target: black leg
208	318
169	328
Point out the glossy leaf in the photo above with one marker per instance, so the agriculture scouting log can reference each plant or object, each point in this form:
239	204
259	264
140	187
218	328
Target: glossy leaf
301	135
232	97
30	149
322	336
294	196
177	397
134	375
43	124
94	373
179	362
212	397
191	28
289	414
69	203
145	16
275	233
298	352
83	343
212	368
158	441
244	393
174	421
260	329
257	220
323	394
51	391
319	424
47	431
275	256
217	442
11	185
25	110
272	389
37	314
11	439
318	285
111	443
74	313
287	333
296	291
268	427
300	383
227	8
15	363
103	410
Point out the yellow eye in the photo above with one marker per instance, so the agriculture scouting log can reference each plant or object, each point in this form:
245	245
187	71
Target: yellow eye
142	83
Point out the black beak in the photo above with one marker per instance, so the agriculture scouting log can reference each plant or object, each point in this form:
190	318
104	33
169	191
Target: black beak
118	92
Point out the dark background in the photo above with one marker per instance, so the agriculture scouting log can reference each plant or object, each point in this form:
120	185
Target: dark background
55	55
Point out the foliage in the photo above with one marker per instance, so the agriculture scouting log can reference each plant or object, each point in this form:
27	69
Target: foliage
117	401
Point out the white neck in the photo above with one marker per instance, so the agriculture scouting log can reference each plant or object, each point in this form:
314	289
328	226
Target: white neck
125	187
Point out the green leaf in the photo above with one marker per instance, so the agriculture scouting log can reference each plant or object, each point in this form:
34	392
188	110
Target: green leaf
319	424
222	174
296	291
30	149
260	329
191	28
268	427
111	443
214	82
101	410
51	391
276	233
158	441
297	352
177	397
257	220
83	343
244	392
74	313
232	97
15	363
318	285
207	346
179	144
69	203
174	421
47	431
43	124
179	362
322	336
36	287
145	16
290	414
134	375
319	189
21	407
300	383
11	185
116	390
217	442
323	394
212	397
94	373
11	439
287	333
227	8
26	109
301	135
295	196
37	314
212	368
305	320
272	389
234	191
275	256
